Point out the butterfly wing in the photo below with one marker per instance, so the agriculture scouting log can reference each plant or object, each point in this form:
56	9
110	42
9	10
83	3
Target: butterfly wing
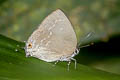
54	38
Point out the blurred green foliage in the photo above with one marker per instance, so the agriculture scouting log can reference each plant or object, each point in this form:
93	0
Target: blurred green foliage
15	66
19	18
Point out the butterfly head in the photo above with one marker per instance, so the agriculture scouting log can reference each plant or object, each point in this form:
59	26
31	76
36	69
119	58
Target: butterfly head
29	48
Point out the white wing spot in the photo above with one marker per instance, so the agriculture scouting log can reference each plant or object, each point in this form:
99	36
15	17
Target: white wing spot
50	33
61	29
48	43
41	41
54	24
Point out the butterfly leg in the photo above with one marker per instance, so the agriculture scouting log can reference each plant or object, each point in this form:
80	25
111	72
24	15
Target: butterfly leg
74	61
69	64
55	63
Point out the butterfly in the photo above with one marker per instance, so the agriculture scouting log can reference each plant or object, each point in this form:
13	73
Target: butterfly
54	40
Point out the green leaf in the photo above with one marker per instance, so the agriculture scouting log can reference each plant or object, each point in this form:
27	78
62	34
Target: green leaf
15	66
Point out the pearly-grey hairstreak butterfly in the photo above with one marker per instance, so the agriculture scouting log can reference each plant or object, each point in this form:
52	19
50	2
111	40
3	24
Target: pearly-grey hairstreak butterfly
54	40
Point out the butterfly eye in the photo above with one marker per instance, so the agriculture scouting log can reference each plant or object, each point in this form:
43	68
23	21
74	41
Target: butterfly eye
29	45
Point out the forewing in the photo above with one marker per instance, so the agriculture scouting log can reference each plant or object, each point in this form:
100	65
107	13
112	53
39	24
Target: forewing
56	36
